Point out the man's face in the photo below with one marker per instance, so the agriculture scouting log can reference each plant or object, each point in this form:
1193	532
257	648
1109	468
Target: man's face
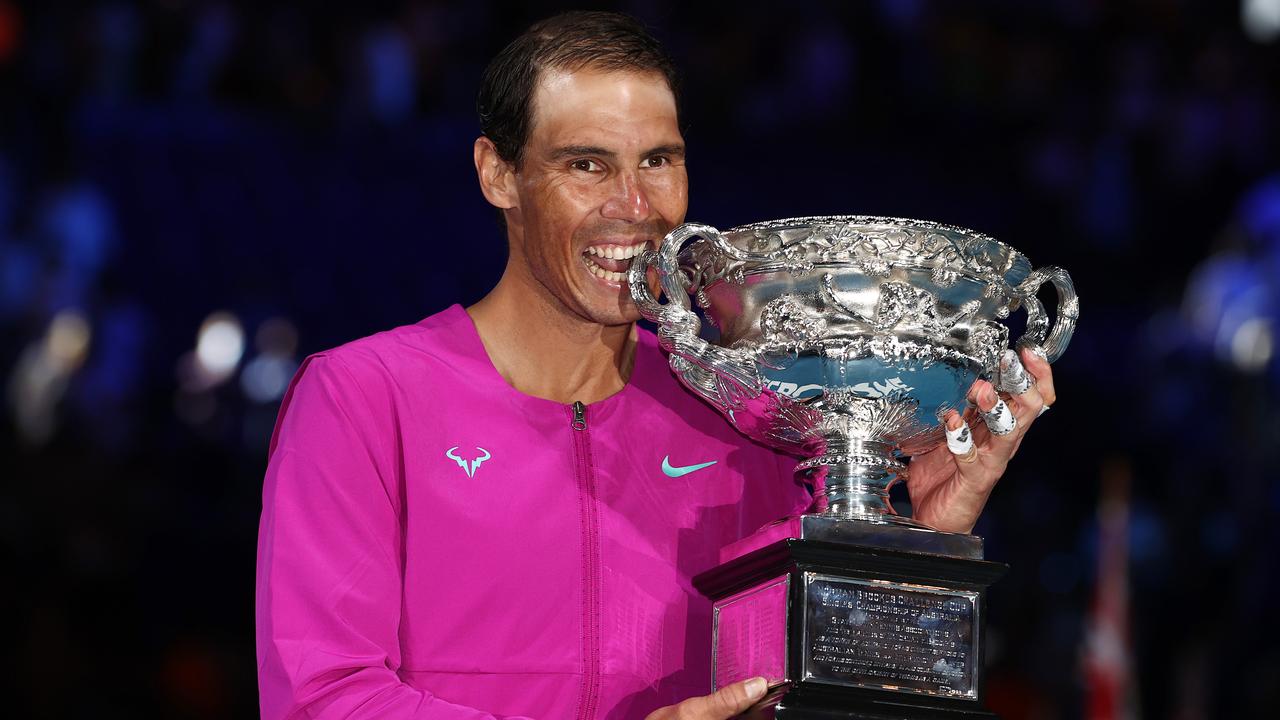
602	177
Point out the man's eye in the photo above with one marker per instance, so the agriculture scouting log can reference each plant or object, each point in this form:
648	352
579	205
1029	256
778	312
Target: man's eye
656	161
586	165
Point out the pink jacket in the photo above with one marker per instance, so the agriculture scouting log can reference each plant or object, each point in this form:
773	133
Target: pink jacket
435	544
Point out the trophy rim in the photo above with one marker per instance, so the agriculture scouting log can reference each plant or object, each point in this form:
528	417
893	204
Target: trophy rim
900	222
996	274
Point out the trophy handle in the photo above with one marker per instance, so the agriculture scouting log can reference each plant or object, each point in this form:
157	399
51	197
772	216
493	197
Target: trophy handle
1054	341
724	377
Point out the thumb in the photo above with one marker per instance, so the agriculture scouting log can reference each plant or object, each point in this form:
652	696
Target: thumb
726	702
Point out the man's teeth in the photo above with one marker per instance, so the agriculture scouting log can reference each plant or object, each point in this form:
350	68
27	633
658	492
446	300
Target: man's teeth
617	252
613	260
604	274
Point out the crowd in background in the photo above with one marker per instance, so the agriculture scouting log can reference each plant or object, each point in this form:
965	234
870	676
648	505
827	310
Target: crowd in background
195	195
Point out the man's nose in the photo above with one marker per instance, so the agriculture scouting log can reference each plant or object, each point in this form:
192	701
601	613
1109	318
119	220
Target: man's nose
628	199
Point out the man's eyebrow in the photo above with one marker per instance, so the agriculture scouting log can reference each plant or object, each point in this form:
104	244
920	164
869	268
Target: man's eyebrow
677	150
572	151
568	151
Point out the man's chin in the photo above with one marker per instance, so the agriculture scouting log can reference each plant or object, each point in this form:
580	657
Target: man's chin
618	317
624	312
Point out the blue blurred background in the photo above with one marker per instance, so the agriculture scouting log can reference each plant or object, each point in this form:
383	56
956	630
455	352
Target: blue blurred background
195	195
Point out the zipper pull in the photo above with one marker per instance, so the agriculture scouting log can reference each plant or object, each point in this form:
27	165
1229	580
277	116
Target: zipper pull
579	415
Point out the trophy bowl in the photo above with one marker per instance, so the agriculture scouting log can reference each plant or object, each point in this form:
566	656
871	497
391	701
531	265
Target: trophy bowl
844	339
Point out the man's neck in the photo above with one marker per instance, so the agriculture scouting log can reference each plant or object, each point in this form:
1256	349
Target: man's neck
542	349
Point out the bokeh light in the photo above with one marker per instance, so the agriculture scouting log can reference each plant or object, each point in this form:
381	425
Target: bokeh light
1261	19
219	346
67	341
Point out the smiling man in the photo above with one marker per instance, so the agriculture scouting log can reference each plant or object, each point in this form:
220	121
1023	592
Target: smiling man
497	511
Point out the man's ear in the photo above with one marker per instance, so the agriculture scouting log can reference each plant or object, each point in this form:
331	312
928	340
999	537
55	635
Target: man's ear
497	176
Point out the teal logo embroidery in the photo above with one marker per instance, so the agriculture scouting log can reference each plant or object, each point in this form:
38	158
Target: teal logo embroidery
469	469
675	472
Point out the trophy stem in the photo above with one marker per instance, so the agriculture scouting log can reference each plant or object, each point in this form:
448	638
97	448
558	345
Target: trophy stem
859	474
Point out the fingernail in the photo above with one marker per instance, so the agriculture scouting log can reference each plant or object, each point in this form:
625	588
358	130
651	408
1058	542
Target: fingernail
987	397
953	420
756	688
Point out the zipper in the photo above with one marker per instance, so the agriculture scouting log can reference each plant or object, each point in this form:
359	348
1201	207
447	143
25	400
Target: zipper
584	472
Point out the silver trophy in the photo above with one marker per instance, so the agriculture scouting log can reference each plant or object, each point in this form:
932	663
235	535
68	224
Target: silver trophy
844	340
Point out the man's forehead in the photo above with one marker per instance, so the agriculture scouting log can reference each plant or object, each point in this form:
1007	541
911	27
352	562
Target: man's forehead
602	103
557	78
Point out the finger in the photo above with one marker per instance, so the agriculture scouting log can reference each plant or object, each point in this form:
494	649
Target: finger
724	703
1026	407
1038	366
1012	376
997	416
1020	389
1000	419
995	450
982	396
959	438
980	461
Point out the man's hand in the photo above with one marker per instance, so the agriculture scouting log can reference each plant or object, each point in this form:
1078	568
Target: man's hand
722	704
948	491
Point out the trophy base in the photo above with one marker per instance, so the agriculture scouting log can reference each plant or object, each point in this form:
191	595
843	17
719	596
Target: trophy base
867	532
851	631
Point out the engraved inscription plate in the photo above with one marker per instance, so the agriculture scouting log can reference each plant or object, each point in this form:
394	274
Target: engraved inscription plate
749	634
890	636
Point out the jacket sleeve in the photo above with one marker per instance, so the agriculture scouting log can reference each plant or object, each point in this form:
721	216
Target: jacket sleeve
329	558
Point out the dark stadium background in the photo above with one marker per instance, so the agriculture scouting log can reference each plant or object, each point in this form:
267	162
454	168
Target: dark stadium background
195	195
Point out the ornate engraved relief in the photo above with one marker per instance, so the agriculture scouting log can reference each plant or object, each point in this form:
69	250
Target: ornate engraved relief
903	307
862	418
906	306
987	341
788	326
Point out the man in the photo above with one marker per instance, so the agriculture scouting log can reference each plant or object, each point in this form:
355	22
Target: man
497	511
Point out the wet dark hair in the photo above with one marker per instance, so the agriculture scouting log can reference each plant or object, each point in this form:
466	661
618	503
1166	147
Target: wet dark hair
570	41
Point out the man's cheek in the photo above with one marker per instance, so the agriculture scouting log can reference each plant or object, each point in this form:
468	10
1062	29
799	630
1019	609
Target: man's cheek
674	196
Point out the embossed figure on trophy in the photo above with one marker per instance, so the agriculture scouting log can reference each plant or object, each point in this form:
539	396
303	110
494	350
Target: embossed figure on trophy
787	327
906	308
